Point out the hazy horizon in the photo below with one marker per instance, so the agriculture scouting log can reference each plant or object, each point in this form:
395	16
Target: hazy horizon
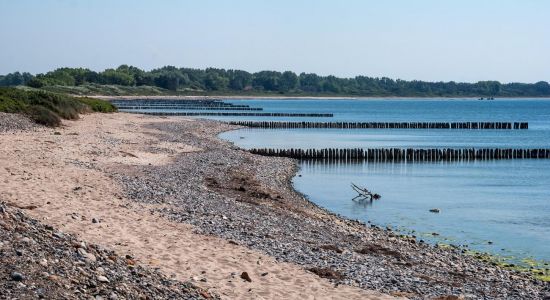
461	41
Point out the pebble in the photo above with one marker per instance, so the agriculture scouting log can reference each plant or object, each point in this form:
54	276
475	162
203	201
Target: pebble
26	240
102	278
16	276
86	255
58	234
245	276
43	262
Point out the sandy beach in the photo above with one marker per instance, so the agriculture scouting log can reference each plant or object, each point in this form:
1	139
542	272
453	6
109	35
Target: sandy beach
67	178
175	198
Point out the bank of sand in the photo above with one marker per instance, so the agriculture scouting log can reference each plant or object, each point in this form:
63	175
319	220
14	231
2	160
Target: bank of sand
62	177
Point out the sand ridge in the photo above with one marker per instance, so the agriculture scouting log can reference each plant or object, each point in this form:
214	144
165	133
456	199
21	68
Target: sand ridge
65	176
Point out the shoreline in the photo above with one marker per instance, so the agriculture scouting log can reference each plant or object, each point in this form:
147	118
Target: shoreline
181	174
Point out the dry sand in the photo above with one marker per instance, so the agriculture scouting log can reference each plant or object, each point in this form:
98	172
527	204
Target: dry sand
48	175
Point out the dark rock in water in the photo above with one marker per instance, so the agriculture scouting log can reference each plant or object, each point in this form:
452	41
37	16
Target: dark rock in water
246	277
435	210
16	276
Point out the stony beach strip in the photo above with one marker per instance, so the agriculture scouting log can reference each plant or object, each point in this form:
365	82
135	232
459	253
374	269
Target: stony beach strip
40	262
248	199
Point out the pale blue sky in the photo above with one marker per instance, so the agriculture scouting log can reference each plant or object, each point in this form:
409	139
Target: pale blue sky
460	40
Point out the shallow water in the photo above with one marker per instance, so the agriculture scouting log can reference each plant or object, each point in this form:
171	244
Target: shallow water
504	202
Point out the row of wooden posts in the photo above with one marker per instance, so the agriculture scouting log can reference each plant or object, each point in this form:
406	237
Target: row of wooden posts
406	155
174	103
191	107
237	114
392	125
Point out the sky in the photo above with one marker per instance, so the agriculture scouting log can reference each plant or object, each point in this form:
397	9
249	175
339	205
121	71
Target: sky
433	40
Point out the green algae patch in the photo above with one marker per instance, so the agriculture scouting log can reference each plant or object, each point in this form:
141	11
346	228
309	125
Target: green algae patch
536	268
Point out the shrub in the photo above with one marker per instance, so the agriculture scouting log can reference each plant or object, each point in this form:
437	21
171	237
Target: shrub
10	105
65	106
98	105
44	116
49	108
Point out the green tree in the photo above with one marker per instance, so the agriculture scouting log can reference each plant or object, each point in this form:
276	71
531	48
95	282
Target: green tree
112	76
288	81
215	82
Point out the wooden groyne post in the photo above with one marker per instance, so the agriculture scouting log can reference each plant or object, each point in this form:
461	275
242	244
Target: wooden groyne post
405	154
383	125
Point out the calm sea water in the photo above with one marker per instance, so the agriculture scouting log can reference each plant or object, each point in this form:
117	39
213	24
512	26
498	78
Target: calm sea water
501	207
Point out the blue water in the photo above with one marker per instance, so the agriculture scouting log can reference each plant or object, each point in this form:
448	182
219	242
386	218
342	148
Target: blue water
501	207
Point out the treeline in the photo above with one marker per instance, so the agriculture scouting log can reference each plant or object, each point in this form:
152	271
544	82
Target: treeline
187	80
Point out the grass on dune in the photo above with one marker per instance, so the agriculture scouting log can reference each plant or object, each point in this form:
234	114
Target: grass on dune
49	108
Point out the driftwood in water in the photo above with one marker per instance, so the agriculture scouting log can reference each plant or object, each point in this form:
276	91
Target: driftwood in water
363	193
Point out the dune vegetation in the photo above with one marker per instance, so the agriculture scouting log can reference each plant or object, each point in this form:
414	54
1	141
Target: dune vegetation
49	108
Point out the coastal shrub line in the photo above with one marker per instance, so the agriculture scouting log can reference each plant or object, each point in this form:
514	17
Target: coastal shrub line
173	80
392	125
49	108
405	155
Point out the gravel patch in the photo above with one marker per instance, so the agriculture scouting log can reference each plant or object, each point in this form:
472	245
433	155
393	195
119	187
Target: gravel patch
15	123
248	199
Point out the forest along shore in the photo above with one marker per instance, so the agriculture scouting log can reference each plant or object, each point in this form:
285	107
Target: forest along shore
68	179
171	194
